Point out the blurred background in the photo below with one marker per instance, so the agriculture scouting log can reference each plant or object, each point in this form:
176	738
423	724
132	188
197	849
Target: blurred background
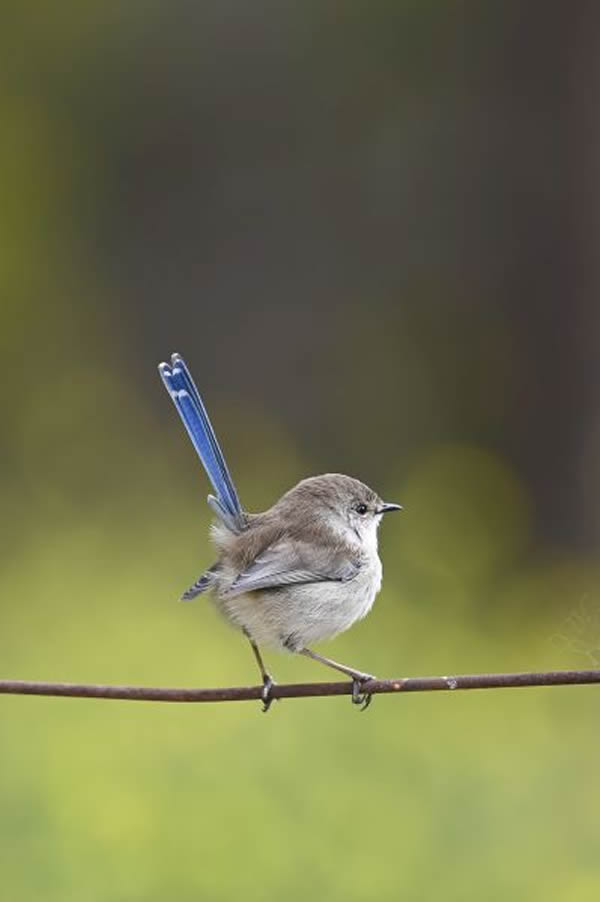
372	229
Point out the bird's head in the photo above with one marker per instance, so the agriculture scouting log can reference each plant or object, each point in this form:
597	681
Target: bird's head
341	502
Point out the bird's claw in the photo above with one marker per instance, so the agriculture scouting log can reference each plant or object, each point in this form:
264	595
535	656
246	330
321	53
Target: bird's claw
359	696
267	699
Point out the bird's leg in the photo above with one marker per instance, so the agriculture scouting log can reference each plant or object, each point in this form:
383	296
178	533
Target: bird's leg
349	671
358	677
268	681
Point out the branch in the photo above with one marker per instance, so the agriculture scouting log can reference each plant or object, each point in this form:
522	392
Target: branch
303	690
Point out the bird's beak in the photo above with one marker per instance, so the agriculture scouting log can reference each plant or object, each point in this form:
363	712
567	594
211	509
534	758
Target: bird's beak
386	508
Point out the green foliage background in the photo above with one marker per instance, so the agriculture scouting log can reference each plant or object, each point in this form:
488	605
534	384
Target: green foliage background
472	795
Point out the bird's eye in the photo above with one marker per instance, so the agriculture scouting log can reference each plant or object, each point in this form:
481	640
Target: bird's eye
361	509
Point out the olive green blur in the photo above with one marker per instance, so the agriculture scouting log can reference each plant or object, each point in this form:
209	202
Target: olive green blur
367	228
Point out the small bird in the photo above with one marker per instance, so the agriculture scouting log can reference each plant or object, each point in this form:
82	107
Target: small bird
302	571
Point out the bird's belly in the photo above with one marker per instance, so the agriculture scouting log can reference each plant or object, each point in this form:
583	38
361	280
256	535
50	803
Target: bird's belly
294	616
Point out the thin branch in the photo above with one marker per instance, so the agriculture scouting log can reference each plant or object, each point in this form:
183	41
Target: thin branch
303	690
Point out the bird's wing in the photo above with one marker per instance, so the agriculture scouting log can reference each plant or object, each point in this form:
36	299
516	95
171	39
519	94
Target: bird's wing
289	561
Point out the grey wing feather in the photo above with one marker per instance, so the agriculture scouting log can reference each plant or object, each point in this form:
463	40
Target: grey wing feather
202	584
288	562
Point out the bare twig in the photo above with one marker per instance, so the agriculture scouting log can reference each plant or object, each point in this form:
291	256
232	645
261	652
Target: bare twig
303	690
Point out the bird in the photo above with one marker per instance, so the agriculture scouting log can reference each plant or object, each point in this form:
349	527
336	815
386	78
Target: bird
302	571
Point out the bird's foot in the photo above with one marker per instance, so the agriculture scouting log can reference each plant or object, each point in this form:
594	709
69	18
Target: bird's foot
267	698
359	696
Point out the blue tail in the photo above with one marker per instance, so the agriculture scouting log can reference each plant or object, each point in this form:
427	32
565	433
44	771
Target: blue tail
186	398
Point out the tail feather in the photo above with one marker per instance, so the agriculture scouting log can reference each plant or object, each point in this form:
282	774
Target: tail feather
184	394
180	369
